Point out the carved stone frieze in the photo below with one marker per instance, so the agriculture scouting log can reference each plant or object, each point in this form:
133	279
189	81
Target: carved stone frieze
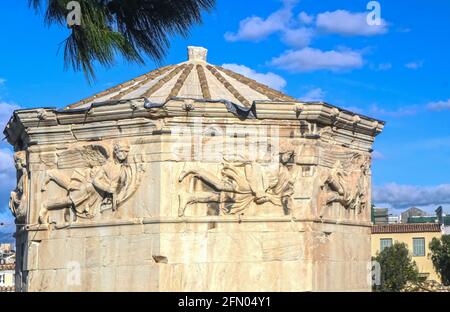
243	184
18	202
97	182
347	183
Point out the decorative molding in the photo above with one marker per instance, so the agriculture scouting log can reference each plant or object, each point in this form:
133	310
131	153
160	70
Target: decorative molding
27	129
194	220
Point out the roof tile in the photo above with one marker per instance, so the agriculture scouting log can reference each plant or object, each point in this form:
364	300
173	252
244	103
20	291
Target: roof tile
406	228
232	86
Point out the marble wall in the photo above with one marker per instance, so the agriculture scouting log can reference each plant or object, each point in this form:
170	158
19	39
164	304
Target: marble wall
195	204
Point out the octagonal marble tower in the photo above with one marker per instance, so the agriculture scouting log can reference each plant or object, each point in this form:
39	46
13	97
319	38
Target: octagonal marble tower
192	178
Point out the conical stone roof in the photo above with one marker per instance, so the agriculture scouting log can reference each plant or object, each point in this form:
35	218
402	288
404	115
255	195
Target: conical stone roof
193	79
190	89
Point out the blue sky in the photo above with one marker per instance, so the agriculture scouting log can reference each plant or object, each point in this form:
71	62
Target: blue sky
310	49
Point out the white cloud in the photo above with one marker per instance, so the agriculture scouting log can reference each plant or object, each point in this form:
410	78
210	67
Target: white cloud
298	38
382	67
7	176
404	30
8	228
399	112
378	155
6	110
428	144
348	24
439	106
309	59
6	162
403	196
354	109
270	79
305	18
7	170
299	31
414	65
255	28
314	95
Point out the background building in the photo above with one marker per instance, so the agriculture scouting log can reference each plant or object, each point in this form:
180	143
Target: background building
393	219
7	277
7	267
7	254
380	215
416	236
4	248
412	213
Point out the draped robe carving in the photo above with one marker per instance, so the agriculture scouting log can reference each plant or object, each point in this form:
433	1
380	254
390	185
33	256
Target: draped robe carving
242	183
104	185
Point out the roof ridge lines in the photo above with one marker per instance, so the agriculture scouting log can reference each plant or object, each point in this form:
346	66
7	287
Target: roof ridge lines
203	82
179	84
228	85
164	80
260	87
148	77
113	89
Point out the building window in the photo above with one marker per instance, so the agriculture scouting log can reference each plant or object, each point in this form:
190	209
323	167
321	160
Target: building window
2	278
384	243
419	247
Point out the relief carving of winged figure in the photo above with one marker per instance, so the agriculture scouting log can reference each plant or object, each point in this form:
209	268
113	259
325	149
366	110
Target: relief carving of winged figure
98	182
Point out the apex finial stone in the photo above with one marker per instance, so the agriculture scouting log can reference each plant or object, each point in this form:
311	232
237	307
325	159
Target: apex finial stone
197	54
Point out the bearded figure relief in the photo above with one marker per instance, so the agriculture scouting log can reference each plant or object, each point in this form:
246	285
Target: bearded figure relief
242	184
98	183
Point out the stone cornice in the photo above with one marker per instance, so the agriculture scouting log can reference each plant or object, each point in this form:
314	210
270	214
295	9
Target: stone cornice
50	125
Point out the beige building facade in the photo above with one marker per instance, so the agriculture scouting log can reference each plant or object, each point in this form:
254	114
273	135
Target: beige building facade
192	178
416	236
7	272
6	247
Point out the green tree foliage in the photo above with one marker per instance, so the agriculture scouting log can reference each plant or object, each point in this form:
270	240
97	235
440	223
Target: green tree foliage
110	27
397	268
440	255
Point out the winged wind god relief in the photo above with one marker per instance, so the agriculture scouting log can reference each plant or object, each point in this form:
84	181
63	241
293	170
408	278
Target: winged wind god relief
347	182
243	185
96	181
18	199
